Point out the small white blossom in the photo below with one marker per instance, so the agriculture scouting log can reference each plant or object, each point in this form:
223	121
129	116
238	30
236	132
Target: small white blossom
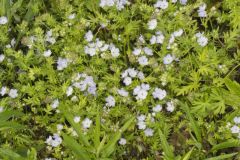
59	127
3	91
170	106
69	91
47	53
86	123
152	24
89	36
3	20
140	93
183	2
114	50
2	57
137	51
148	51
153	40
122	92
163	4
157	108
159	94
235	129
143	60
55	104
13	93
168	59
122	141
141	117
201	11
236	120
54	140
77	119
148	132
110	101
1	109
62	63
141	125
140	75
72	16
201	39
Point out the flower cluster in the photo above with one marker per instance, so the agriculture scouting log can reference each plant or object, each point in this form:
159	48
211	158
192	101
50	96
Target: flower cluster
54	140
120	4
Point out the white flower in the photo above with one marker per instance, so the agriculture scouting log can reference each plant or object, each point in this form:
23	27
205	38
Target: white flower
132	72
122	141
72	16
137	51
141	125
13	42
168	59
153	39
143	60
174	1
148	51
159	93
2	57
122	92
142	94
152	24
178	33
3	20
69	91
62	63
141	39
236	120
145	86
160	39
127	81
59	127
201	10
183	2
157	108
3	90
86	123
1	109
55	104
13	93
235	129
141	117
163	4
89	36
54	140
170	106
77	119
47	53
110	101
202	41
148	132
140	75
114	51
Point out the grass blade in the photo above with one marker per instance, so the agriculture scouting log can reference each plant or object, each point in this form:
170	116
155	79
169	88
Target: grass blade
225	156
169	155
228	144
80	152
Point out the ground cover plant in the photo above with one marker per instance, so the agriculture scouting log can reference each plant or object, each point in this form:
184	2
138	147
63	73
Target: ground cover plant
119	79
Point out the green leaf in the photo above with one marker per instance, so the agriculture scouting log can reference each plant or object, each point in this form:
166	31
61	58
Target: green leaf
168	152
10	125
193	123
4	116
80	151
228	144
110	146
10	154
188	155
233	86
76	127
225	156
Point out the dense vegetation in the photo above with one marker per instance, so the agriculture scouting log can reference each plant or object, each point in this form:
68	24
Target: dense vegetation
119	79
